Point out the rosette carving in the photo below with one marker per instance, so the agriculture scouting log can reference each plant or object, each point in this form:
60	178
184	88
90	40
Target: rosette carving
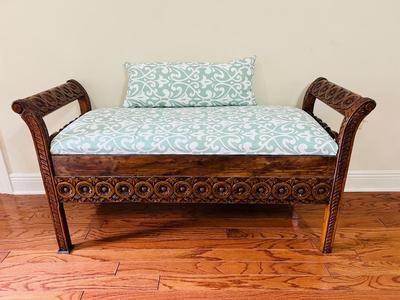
124	189
261	190
182	189
194	189
301	191
84	189
241	190
202	189
66	189
143	189
321	191
163	189
281	190
221	190
104	189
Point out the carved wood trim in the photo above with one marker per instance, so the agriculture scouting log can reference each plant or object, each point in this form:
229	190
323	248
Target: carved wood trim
354	108
285	190
345	140
41	141
337	97
32	111
50	100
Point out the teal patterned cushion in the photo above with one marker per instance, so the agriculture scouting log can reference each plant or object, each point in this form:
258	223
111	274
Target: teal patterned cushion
190	84
254	130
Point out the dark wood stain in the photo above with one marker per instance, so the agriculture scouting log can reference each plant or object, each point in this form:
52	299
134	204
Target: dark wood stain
195	179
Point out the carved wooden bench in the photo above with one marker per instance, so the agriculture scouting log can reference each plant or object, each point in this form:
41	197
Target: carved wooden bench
267	179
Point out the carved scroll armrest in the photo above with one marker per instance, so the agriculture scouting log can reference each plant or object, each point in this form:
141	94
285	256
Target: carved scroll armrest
48	101
352	106
34	108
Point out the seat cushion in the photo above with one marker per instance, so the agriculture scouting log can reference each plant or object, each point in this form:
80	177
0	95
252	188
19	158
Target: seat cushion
228	130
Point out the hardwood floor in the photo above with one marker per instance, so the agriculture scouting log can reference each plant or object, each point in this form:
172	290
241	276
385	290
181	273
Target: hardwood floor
166	251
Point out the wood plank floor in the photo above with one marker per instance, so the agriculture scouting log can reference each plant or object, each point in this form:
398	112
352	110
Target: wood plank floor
162	251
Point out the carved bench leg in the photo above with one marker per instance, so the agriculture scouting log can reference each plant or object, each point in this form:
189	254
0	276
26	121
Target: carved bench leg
61	227
57	214
329	228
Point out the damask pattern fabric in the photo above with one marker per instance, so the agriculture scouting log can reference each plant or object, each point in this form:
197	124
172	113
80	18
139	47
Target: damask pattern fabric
258	130
190	84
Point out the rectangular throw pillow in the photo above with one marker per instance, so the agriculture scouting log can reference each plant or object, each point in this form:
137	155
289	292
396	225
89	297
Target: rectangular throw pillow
190	84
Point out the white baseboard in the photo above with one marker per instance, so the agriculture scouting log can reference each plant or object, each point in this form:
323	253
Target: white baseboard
26	183
373	181
5	184
357	181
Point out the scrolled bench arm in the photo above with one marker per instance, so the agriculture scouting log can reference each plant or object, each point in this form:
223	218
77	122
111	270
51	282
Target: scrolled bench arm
354	108
32	111
50	100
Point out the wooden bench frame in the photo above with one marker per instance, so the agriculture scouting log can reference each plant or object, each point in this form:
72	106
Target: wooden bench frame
194	178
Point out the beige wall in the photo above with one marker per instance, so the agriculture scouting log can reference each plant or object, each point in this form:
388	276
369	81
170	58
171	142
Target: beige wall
355	43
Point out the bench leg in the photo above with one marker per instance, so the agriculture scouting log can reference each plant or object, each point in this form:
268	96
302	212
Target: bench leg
329	228
61	227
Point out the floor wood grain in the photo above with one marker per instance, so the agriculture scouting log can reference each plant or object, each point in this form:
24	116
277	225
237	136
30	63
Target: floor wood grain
36	295
32	239
77	282
146	243
179	255
3	255
223	268
51	268
245	295
165	251
281	282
